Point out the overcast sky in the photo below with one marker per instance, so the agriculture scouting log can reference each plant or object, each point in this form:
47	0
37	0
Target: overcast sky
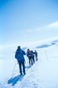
24	20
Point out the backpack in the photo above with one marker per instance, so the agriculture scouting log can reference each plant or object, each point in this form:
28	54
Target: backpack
19	55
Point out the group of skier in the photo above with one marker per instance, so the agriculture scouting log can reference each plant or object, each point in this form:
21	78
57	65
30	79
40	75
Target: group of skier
19	55
31	55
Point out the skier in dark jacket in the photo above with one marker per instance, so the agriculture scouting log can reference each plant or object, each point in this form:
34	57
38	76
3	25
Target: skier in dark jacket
19	55
30	56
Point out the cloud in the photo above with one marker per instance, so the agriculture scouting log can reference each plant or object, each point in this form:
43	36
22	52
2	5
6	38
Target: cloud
53	25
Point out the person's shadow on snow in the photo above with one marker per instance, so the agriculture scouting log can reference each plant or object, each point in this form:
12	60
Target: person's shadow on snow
15	79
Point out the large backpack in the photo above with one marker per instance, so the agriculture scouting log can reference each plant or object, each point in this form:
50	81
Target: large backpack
19	55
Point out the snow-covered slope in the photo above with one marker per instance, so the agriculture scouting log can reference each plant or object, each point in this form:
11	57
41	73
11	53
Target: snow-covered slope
42	74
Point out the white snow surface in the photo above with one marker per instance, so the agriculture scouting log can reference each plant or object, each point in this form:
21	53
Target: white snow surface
42	74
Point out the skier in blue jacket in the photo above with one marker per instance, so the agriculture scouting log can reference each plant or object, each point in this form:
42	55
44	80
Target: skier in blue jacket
19	55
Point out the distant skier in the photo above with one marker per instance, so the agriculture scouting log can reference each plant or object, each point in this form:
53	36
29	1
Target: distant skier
30	56
36	55
19	55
